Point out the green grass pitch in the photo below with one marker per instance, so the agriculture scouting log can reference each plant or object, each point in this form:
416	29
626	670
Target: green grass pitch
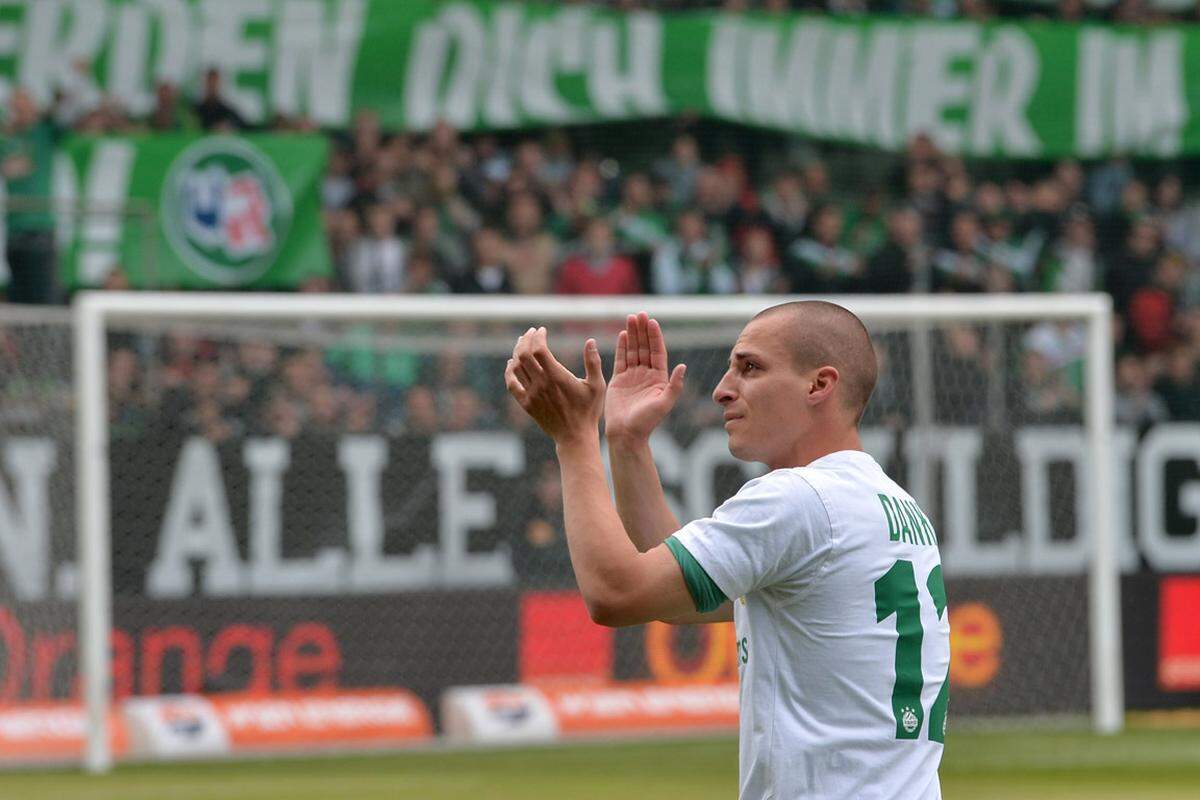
1144	764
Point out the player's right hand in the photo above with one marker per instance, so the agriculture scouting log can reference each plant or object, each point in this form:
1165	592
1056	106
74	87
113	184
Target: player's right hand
641	392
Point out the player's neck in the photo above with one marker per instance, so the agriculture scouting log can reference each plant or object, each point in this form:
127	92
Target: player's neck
821	442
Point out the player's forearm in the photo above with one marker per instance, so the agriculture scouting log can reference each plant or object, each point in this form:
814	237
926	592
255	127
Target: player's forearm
602	554
641	503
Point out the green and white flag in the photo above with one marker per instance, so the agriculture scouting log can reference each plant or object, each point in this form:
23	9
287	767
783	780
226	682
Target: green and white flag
181	212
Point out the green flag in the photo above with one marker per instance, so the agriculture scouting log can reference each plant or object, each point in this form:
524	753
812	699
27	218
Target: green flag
185	212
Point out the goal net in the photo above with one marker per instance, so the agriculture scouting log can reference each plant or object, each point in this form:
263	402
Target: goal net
312	494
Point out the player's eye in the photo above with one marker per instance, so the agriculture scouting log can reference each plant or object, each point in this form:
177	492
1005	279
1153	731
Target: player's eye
749	365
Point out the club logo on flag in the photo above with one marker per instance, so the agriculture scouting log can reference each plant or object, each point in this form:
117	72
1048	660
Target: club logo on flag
225	210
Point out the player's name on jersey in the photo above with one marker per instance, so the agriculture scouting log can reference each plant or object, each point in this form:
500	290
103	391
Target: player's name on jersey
906	521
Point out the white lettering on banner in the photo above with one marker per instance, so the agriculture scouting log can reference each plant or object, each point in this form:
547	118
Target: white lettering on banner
615	88
25	517
469	70
721	70
1162	445
106	186
1005	79
458	33
314	52
196	527
957	450
170	21
863	76
10	43
879	442
879	84
935	86
270	573
941	473
362	459
500	103
1038	447
59	33
546	48
1130	92
226	44
804	76
459	511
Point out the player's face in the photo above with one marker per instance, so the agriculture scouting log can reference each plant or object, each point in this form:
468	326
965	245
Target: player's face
762	394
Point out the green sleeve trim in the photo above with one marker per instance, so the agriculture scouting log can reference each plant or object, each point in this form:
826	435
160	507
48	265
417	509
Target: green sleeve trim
705	594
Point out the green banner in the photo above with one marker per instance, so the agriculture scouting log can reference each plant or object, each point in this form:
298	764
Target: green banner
181	212
1024	89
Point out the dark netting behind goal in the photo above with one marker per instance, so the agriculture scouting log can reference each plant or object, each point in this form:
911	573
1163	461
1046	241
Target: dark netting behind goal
306	505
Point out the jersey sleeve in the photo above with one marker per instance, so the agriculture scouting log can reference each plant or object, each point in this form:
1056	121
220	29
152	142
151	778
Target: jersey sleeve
774	531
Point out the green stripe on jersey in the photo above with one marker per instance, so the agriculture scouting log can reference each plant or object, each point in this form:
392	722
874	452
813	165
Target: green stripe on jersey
705	594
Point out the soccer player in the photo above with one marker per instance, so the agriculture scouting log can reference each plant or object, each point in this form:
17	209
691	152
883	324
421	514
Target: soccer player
828	568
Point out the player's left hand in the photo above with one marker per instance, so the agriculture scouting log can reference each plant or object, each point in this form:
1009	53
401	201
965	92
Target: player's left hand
565	407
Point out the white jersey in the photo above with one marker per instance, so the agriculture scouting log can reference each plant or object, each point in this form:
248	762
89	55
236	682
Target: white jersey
843	640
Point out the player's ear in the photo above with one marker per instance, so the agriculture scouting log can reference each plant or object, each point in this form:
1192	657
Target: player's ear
822	384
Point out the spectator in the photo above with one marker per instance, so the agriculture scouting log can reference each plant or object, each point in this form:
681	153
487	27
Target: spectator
1045	395
27	164
902	264
1134	265
680	171
962	361
466	411
962	266
212	111
487	273
539	552
1070	264
422	278
531	251
1012	258
1180	221
690	262
786	208
77	95
1179	385
1136	403
758	267
377	261
337	189
597	269
167	115
639	227
420	411
1152	307
818	263
437	242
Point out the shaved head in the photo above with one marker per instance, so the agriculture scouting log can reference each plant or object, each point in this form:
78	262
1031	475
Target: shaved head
826	334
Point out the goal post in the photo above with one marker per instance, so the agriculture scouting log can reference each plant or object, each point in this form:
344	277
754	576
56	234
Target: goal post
97	314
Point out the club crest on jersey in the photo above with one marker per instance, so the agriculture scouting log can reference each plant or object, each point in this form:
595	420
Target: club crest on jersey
225	210
908	718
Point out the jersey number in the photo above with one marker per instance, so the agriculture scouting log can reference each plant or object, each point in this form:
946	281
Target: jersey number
896	593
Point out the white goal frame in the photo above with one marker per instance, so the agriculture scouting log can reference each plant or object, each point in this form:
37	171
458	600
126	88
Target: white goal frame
93	311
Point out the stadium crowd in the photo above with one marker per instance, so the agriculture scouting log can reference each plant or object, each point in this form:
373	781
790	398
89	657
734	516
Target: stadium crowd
707	208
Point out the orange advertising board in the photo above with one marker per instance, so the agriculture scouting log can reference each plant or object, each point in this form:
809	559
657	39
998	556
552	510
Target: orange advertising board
49	732
275	722
632	707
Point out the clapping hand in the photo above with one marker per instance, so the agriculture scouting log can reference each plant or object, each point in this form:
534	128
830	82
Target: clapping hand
641	392
565	407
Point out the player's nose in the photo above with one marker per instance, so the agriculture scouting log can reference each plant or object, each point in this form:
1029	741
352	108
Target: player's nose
724	393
